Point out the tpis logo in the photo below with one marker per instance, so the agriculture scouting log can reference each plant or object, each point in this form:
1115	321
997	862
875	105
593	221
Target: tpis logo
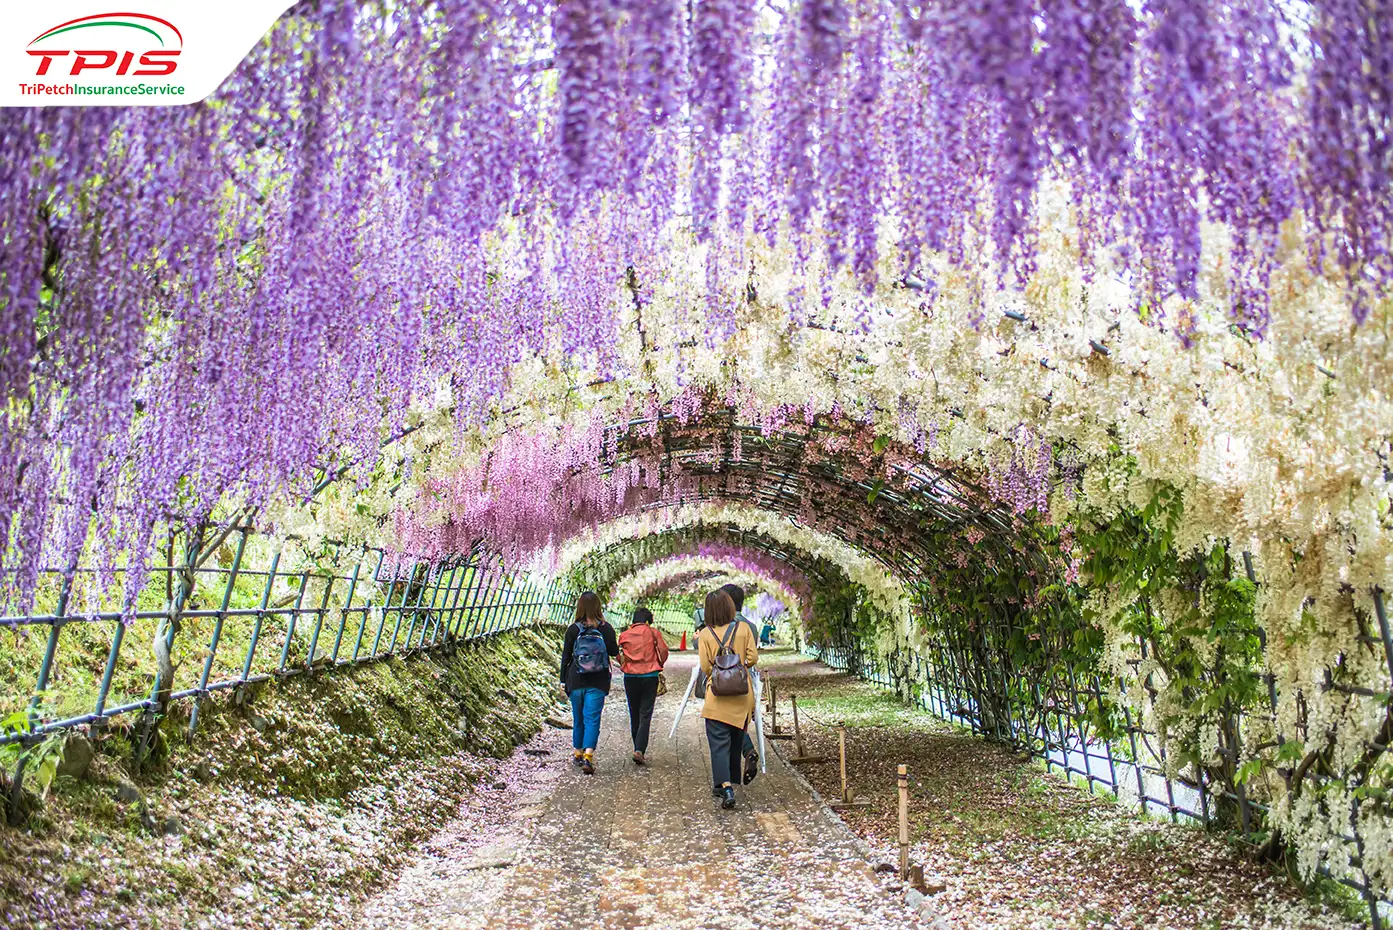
111	43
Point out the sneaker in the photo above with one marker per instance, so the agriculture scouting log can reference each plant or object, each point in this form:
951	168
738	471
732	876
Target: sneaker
639	759
717	792
578	760
727	798
587	766
751	767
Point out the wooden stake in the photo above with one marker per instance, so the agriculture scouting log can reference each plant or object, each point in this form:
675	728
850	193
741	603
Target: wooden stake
775	731
798	739
841	740
904	822
797	731
846	802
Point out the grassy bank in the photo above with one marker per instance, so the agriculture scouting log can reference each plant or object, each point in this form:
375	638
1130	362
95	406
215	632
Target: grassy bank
285	806
1008	845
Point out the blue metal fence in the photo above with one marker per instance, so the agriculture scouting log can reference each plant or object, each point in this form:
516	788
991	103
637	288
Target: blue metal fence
294	618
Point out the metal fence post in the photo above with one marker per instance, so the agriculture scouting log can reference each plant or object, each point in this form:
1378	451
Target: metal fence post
217	630
294	616
432	620
481	595
367	606
260	615
347	606
387	606
51	647
117	635
468	587
319	617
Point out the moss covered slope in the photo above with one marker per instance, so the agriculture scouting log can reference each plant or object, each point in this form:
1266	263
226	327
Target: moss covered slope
286	804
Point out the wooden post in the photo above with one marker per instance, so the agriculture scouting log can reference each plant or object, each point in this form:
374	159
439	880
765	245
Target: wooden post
797	731
846	803
904	822
798	739
846	789
775	731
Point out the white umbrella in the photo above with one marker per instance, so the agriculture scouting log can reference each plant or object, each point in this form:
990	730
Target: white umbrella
691	686
759	718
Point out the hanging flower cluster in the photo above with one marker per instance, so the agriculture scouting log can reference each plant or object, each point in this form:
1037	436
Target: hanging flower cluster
227	301
767	608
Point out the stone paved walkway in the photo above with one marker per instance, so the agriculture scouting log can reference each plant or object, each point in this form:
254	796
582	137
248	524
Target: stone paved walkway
642	847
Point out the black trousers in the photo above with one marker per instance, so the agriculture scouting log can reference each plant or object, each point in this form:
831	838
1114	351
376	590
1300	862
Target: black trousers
725	742
640	693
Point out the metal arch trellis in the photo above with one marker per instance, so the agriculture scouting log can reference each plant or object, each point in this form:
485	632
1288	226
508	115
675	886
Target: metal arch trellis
962	682
597	571
779	478
327	619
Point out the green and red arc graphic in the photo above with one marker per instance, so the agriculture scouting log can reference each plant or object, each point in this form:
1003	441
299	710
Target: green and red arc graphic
141	21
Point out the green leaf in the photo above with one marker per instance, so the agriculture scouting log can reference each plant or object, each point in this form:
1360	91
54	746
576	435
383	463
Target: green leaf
1247	770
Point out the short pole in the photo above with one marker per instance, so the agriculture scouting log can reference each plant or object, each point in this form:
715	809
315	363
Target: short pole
846	789
904	822
773	709
797	732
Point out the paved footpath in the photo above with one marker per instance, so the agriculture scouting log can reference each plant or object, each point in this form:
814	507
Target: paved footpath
646	847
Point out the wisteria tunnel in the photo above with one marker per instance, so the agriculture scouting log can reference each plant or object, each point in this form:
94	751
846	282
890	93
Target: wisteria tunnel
1025	363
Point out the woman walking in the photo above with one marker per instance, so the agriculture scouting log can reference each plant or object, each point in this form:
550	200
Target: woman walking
728	651
589	645
642	655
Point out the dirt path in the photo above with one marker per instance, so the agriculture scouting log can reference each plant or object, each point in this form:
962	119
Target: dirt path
640	847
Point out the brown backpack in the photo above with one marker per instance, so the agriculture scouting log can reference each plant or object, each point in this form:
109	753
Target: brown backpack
729	676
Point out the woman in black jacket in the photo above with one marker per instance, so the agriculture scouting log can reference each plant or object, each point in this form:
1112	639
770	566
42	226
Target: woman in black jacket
585	657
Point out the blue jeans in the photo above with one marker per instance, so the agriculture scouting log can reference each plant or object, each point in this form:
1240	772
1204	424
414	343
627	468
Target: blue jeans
586	705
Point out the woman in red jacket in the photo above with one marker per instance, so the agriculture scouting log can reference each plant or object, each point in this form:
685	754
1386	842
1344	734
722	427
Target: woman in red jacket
642	654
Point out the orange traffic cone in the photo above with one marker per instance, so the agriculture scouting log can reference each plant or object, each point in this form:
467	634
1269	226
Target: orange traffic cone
683	647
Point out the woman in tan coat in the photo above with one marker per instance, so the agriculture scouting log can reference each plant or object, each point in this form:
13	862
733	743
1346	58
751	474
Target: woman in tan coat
726	715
